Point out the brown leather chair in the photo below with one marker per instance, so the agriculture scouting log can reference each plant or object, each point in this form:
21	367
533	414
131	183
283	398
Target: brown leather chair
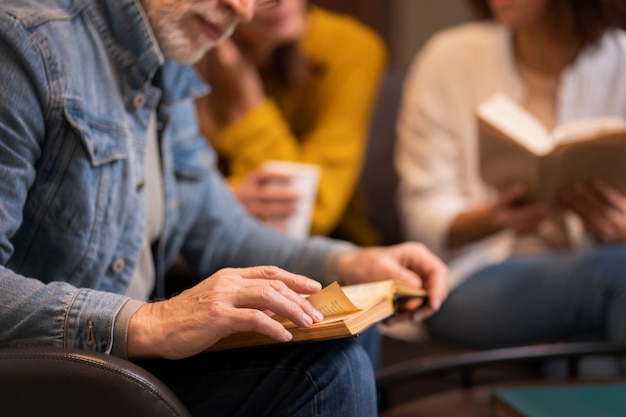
67	382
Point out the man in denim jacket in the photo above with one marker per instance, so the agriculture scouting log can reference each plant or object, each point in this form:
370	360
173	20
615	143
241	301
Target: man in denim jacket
105	179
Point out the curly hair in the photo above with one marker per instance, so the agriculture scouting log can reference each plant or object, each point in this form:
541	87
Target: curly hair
585	19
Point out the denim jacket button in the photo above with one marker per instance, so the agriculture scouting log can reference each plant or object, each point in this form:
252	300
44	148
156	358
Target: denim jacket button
139	100
118	265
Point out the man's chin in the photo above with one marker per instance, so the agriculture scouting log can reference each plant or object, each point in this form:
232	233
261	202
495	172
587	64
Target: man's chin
188	55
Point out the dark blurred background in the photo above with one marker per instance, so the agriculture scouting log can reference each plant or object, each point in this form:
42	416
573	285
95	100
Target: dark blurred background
404	24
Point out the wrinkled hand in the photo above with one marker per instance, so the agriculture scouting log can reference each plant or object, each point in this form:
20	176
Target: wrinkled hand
267	195
410	263
229	301
510	211
601	207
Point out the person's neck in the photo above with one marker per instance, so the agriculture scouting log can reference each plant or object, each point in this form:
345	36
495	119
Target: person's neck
541	50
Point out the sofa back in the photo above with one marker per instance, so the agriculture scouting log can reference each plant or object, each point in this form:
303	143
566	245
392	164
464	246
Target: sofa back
379	179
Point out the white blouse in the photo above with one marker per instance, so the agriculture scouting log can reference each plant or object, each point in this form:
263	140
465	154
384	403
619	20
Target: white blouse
436	155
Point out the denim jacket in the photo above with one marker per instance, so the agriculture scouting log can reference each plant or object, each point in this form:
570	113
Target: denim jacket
78	82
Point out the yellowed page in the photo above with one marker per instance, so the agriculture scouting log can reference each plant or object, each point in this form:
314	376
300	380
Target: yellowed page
336	302
403	290
366	295
332	301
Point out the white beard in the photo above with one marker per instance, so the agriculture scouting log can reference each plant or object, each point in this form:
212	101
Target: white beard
183	48
183	44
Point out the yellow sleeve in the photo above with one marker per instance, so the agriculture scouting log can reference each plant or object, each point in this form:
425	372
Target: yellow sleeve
259	135
353	58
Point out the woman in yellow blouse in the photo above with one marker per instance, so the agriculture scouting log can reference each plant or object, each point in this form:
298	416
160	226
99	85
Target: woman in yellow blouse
298	83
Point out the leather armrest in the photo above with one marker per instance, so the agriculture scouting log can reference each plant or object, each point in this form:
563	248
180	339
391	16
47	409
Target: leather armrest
65	382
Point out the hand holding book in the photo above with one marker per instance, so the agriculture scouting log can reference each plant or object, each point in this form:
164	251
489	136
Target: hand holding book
515	147
410	263
348	311
601	208
416	272
512	211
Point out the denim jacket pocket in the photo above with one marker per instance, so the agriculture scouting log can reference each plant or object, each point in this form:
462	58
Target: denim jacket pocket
85	182
103	140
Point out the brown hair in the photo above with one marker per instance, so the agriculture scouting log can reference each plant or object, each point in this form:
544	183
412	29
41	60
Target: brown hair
289	67
585	19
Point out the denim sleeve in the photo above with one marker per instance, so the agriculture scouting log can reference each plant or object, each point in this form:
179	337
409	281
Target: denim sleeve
55	314
235	239
32	312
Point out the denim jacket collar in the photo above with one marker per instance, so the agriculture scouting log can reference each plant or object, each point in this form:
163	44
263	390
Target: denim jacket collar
128	37
130	40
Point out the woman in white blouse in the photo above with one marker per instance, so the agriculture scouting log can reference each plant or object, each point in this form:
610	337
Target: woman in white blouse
519	272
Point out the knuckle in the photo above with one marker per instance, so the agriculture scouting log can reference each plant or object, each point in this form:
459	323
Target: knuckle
272	270
256	318
418	246
267	292
225	272
279	286
421	247
294	310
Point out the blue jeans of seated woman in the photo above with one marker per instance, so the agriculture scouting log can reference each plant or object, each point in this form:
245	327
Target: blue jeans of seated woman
534	299
330	378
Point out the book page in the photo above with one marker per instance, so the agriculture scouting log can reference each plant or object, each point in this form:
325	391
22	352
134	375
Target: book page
332	300
588	129
515	122
366	295
403	290
335	302
503	161
601	157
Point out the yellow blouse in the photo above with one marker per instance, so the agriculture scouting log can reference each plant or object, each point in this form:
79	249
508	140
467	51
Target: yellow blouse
324	124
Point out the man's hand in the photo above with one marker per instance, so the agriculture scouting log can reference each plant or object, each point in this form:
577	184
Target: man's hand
410	263
229	301
601	207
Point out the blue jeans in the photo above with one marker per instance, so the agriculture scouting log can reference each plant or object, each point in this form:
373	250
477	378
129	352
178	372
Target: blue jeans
535	299
330	378
371	341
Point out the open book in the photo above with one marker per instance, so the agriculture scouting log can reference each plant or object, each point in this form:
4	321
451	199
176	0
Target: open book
514	146
348	311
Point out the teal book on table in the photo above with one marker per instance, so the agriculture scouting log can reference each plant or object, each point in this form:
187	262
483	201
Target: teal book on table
597	400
